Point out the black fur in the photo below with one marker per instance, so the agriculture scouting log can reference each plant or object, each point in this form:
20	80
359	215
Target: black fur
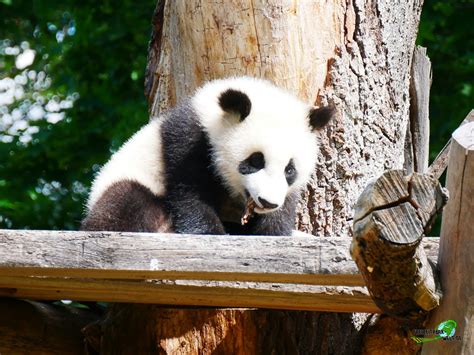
290	173
254	163
319	117
235	101
192	188
280	222
128	206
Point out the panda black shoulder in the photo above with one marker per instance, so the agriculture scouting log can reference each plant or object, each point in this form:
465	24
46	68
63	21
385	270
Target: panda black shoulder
186	147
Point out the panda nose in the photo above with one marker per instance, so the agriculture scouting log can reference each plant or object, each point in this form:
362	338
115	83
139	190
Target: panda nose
266	204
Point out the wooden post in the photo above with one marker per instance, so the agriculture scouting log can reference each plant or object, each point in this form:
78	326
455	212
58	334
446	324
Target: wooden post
456	249
391	217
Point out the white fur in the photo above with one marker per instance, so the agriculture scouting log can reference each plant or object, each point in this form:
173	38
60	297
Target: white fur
139	159
278	126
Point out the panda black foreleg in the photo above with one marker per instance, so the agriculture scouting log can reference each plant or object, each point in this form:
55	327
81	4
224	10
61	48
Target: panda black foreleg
280	222
192	212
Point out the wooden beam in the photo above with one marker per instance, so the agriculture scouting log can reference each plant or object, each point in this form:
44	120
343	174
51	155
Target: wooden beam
193	293
304	273
457	249
115	255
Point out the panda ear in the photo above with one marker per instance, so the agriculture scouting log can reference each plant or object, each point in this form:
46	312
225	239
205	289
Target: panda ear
319	117
235	101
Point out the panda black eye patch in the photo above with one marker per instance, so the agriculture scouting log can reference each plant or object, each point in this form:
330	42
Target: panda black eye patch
290	172
254	163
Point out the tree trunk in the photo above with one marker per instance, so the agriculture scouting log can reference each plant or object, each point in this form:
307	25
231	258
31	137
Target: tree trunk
355	54
29	327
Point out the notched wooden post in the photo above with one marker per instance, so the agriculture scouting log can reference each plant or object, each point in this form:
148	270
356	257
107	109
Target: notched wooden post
391	217
457	248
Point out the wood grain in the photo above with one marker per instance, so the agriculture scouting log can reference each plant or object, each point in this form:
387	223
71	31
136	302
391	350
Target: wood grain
186	293
304	273
418	129
391	218
440	163
457	248
115	255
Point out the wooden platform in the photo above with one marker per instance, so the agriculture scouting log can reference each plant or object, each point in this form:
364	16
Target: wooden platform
304	272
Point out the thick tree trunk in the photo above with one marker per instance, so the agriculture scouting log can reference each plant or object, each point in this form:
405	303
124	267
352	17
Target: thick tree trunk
355	54
143	329
28	327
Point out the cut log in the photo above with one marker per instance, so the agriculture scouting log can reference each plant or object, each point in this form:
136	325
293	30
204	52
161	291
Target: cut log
28	327
457	249
391	218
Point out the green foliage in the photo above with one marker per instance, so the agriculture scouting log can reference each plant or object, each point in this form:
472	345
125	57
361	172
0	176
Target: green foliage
446	30
98	51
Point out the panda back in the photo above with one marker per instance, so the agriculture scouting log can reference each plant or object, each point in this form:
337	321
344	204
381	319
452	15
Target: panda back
139	159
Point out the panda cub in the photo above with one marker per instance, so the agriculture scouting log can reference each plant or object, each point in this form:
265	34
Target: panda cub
194	168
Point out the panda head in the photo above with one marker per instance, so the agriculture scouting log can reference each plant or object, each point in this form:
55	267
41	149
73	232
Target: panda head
263	139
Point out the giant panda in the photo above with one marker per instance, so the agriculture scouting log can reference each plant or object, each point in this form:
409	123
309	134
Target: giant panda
188	171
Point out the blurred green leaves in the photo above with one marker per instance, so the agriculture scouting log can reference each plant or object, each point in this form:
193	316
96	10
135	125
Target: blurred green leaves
96	51
446	30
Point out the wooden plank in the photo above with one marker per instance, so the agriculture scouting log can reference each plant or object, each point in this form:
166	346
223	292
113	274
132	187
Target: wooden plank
114	255
457	249
418	128
185	293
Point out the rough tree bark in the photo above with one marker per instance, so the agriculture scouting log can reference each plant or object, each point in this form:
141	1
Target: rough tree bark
353	53
29	327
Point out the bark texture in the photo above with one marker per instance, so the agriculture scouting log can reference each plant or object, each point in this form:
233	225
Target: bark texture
28	327
391	217
356	54
232	331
